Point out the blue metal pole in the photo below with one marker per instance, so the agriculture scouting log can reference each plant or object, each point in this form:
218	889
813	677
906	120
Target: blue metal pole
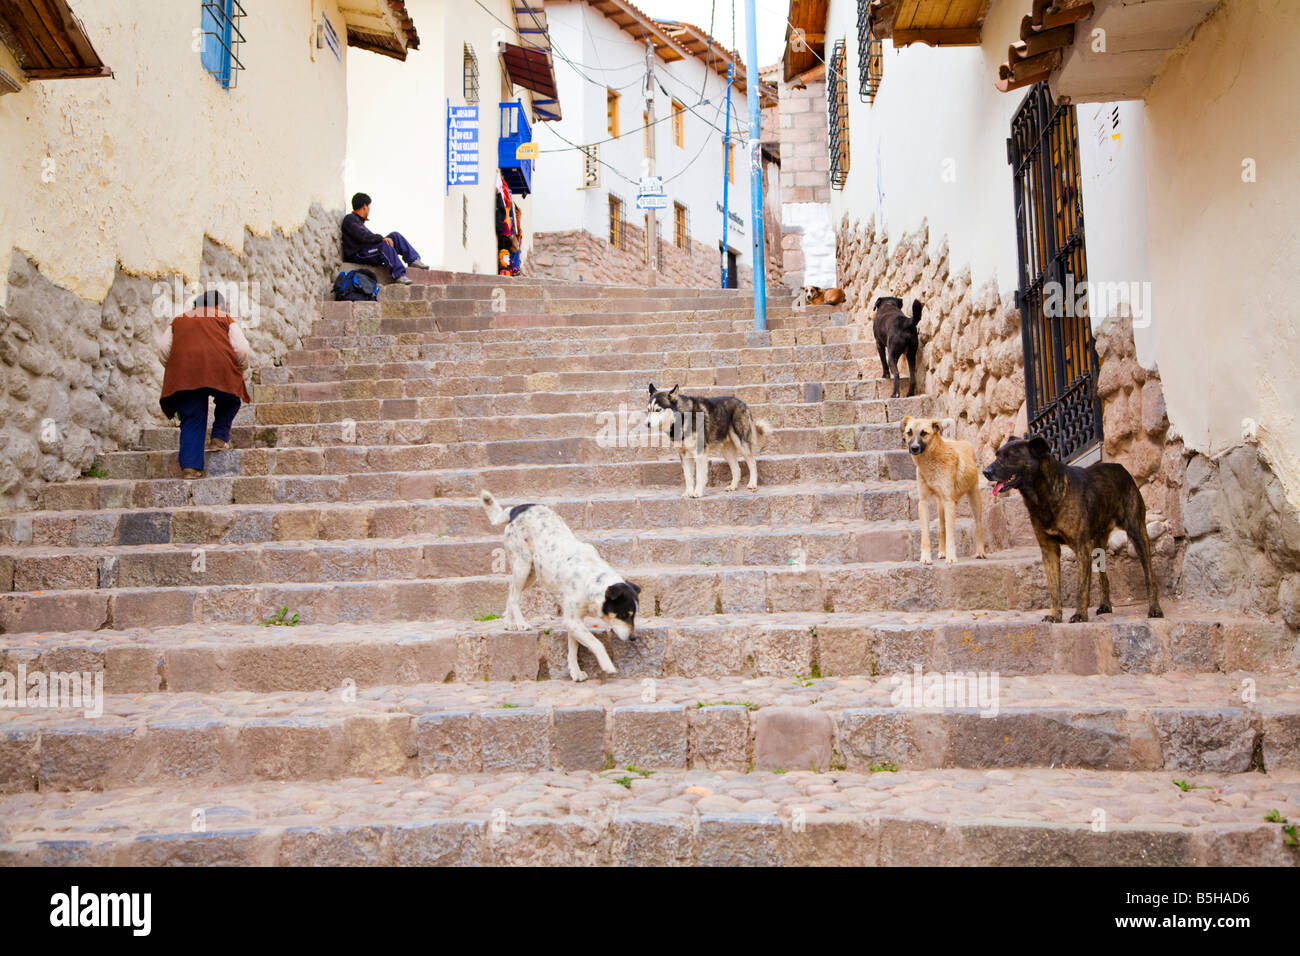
726	174
755	166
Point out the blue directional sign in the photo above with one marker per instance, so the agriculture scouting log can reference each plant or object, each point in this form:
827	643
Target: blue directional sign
462	145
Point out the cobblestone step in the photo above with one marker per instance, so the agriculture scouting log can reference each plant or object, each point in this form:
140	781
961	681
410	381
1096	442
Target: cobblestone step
924	818
443	555
1009	580
604	440
228	657
1177	723
186	523
505	427
506	481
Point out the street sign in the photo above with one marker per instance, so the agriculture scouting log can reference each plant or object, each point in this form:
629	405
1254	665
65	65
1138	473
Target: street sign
650	193
462	145
526	151
590	166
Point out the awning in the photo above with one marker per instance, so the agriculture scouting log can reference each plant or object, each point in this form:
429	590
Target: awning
48	40
380	26
531	69
934	22
805	37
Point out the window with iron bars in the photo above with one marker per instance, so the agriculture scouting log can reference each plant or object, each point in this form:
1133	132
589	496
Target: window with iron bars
871	58
471	76
617	225
837	116
681	226
221	37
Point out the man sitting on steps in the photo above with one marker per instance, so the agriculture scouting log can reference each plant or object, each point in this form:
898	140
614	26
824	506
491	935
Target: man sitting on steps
369	248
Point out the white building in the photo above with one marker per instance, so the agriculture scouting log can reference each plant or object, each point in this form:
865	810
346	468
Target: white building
587	225
974	140
486	63
147	147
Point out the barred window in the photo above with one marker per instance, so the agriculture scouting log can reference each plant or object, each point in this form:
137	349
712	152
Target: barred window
221	39
617	236
681	226
837	116
471	76
871	60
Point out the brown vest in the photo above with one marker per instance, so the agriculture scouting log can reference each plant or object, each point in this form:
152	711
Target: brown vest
202	356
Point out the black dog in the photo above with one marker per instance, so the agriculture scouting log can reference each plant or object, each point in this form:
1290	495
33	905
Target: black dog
1079	507
896	336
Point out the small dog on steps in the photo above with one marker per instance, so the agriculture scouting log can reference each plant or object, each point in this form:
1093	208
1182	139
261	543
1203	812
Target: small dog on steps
541	548
945	471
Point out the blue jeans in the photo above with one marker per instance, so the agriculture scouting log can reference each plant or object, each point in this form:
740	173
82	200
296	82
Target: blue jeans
391	256
192	408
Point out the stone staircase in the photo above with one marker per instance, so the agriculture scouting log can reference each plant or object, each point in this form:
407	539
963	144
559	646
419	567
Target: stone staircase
755	720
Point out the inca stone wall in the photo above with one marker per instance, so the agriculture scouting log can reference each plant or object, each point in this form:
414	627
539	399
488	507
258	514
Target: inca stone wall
577	255
970	353
79	377
1222	529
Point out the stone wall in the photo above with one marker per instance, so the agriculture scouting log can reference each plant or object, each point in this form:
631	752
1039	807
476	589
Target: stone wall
970	353
79	377
577	255
1222	529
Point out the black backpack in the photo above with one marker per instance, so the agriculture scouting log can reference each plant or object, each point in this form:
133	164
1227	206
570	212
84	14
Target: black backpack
356	285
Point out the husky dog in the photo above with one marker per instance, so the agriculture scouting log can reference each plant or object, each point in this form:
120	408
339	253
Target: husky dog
697	426
541	548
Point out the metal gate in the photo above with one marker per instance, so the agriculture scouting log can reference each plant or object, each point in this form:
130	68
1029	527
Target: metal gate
1060	355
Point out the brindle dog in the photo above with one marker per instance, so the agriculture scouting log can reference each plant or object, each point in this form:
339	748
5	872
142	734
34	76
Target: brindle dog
1075	506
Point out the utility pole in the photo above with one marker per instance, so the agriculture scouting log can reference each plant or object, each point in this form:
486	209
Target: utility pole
648	135
755	167
726	174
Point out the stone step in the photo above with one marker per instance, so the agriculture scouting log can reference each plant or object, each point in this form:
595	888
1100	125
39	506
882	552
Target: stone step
605	442
220	658
193	524
399	347
533	401
514	481
1009	580
1180	724
1026	817
661	333
462	428
447	556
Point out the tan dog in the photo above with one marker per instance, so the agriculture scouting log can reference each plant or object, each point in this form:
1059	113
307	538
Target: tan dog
945	471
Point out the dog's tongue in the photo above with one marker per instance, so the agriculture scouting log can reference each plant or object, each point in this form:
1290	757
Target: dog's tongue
997	488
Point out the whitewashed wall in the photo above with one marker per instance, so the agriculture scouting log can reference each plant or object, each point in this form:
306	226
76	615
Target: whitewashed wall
609	55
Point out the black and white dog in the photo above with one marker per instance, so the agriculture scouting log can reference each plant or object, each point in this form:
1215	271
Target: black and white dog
697	426
896	336
541	548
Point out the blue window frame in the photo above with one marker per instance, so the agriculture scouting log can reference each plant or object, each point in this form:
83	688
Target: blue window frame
221	39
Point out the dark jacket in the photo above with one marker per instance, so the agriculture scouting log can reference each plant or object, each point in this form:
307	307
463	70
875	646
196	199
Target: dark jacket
357	237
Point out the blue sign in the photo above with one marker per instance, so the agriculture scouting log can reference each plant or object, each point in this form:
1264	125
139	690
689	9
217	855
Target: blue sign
462	145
